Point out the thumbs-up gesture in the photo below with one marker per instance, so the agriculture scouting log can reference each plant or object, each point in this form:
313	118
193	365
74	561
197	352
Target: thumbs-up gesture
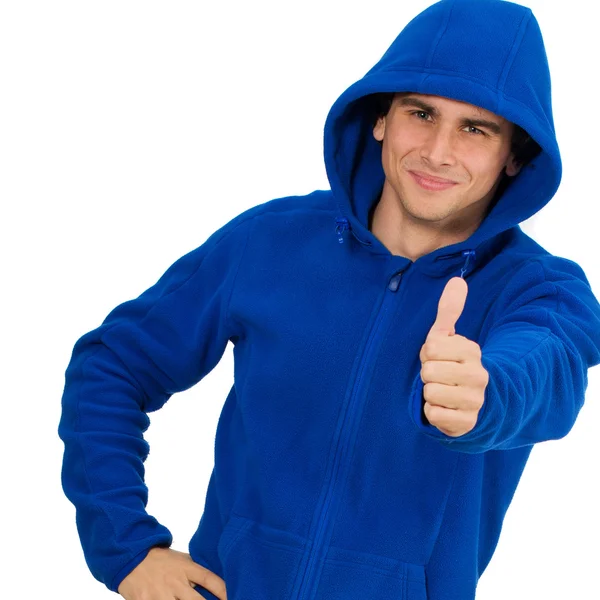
453	376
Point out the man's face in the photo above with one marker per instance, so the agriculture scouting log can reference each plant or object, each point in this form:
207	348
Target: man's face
439	137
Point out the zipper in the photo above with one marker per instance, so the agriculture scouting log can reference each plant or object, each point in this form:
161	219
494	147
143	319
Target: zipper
340	463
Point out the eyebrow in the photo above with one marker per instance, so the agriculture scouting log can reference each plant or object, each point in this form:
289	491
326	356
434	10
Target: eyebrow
412	101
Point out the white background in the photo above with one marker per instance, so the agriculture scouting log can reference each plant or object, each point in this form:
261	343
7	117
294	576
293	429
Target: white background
129	132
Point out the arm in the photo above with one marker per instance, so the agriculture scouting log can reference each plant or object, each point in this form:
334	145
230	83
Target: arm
537	345
162	342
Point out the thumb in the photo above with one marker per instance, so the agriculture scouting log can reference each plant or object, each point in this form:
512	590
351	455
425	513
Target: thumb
450	306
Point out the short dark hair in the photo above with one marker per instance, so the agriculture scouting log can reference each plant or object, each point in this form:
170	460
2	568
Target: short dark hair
524	147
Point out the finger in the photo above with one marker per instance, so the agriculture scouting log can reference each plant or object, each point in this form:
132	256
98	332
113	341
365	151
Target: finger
185	592
452	397
456	348
204	593
442	395
207	579
447	372
448	421
450	306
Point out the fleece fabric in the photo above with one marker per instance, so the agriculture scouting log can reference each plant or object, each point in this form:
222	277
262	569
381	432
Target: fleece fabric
328	482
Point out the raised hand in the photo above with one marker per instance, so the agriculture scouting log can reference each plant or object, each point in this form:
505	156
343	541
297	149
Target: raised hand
453	376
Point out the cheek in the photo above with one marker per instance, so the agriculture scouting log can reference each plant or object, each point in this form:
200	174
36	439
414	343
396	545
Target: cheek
484	169
394	150
401	152
410	139
404	135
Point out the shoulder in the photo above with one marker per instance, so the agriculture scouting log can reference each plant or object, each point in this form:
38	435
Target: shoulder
316	202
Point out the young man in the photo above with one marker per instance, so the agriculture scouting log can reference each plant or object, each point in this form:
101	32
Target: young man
400	345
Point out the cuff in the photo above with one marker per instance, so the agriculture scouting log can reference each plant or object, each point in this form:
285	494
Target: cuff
132	564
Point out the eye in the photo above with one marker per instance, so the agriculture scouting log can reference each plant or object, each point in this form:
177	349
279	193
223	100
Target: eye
420	112
474	129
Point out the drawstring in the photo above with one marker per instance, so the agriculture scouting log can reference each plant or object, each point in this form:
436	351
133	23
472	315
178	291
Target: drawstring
468	254
342	224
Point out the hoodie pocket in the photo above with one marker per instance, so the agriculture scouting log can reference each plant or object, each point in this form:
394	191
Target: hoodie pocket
348	574
261	563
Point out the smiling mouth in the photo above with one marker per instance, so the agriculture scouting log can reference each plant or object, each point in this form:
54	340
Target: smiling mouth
431	184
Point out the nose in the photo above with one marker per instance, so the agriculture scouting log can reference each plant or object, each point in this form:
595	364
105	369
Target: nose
438	149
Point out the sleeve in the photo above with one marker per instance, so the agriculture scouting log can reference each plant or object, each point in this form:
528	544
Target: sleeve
148	348
537	345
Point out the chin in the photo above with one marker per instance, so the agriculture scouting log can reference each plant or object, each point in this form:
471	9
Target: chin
432	209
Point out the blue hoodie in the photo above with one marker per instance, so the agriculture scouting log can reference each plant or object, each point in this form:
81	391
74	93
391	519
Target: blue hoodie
328	482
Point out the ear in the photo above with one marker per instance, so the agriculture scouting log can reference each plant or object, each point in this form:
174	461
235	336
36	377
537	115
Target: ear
512	167
379	129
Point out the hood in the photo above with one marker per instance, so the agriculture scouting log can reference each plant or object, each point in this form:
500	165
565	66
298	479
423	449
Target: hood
489	53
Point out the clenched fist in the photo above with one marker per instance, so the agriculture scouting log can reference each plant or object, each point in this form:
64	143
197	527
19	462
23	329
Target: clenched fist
167	574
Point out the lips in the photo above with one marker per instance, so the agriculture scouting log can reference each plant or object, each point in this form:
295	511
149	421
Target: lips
431	177
429	183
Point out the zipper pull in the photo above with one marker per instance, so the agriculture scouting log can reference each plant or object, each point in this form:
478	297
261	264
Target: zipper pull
394	282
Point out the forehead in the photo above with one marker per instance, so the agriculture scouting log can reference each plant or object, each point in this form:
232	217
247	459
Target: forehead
443	103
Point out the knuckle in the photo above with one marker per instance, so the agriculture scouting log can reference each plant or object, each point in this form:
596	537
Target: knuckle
476	348
474	401
432	347
485	377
